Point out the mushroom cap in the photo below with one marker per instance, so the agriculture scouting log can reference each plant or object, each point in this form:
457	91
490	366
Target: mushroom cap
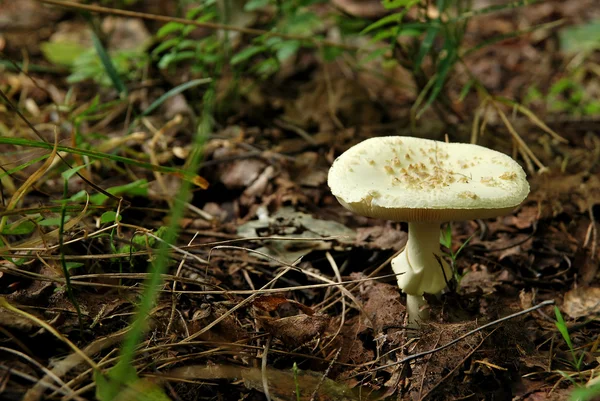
414	179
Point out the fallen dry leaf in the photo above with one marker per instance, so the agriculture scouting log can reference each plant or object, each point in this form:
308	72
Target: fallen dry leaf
295	331
282	383
582	302
271	303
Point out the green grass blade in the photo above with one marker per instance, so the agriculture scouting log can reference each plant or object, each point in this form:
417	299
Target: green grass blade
108	65
510	35
50	209
175	91
492	9
586	393
430	36
24	165
159	266
63	262
444	67
189	176
395	18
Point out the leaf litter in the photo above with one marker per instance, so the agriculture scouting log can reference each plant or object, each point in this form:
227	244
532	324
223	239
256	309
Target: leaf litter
269	313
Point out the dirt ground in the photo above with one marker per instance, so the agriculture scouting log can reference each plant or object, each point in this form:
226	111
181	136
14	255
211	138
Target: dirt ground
314	314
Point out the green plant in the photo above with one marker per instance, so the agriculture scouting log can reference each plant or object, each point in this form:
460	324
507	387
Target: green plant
431	44
586	393
582	392
446	241
97	64
123	375
262	56
176	48
561	325
567	95
295	370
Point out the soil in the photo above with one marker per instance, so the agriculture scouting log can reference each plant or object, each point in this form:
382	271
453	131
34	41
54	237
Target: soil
273	290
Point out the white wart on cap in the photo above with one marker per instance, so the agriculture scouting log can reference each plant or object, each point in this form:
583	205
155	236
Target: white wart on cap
413	179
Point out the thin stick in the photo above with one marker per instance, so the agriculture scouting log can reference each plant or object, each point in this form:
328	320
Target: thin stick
263	369
209	25
4	304
485	326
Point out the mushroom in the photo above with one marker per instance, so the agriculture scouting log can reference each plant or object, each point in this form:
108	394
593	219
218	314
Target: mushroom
425	183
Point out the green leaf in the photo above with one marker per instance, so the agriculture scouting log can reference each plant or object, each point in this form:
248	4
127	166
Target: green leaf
580	38
267	67
188	44
395	18
162	232
109	217
143	240
441	5
331	53
560	86
67	174
287	49
389	19
62	53
253	5
168	28
247	54
109	386
586	393
562	327
175	91
446	237
199	10
445	64
430	35
375	54
166	45
136	188
465	90
109	66
23	166
302	23
52	221
533	94
73	265
591	109
462	246
384	34
172	58
99	155
19	228
389	4
125	249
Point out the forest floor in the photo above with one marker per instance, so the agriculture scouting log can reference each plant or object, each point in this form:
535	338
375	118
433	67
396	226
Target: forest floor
316	312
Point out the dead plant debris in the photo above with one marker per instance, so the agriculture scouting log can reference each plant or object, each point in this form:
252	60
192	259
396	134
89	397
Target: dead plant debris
271	290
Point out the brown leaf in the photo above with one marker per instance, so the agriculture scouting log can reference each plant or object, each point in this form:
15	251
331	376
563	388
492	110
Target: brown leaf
582	301
271	303
383	306
380	237
282	383
295	331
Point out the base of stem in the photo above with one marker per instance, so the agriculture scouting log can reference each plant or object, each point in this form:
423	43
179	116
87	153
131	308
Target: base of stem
417	310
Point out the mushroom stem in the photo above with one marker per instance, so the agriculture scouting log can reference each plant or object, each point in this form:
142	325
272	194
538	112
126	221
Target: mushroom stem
418	268
416	310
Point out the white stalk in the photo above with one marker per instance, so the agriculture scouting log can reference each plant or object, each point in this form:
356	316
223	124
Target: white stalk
416	309
419	270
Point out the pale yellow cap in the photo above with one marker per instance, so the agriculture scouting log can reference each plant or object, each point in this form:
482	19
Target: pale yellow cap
413	179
